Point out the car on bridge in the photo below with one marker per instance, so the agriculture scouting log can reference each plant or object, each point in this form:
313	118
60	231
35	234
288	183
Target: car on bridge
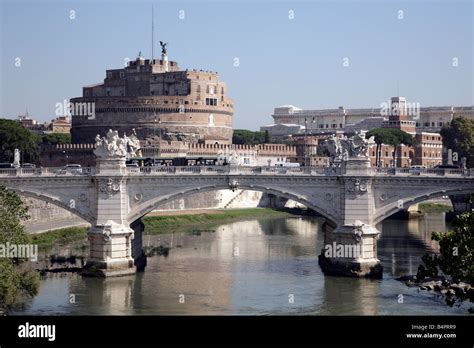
74	169
416	170
28	166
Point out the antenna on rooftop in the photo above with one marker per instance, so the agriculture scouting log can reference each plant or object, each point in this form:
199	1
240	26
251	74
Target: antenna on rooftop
152	31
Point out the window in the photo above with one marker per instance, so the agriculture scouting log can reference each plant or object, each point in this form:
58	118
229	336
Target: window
211	101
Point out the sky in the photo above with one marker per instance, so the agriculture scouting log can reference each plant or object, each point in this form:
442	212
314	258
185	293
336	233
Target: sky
311	54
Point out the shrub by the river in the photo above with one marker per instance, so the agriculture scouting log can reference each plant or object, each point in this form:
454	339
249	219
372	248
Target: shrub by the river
456	257
13	282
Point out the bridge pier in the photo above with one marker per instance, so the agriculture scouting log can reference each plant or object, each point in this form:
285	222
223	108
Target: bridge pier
115	246
350	249
110	251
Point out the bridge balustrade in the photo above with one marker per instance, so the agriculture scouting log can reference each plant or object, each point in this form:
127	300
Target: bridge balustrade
421	171
47	171
245	170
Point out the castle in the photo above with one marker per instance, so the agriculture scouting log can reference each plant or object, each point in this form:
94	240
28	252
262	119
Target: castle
159	100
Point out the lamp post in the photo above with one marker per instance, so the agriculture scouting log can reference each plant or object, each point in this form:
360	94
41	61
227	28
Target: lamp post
154	139
305	144
159	143
313	121
67	157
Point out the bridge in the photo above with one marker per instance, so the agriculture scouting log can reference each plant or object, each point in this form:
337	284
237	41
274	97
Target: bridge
353	198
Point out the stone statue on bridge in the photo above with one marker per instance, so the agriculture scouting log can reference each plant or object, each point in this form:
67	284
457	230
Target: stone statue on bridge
355	146
112	146
341	149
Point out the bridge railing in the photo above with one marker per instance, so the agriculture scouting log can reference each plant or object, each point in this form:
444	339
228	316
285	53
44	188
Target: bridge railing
422	171
244	170
47	171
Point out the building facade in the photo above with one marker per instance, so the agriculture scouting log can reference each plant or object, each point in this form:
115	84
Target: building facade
288	118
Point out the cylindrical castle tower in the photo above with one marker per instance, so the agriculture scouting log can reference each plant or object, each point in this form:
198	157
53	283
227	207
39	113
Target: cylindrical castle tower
157	99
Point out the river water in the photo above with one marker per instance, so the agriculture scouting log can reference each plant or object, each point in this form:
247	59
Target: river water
267	266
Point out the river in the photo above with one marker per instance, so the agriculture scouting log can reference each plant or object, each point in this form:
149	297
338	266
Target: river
267	266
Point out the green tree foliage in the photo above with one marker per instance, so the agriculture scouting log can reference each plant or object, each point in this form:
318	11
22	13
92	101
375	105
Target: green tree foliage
456	257
267	137
247	137
458	136
14	136
389	136
13	282
56	138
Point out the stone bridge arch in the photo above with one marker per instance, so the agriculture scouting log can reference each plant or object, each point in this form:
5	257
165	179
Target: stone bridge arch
77	195
385	211
62	203
318	205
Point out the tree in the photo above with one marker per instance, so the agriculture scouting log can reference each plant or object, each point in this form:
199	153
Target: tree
56	138
456	254
381	136
247	137
267	137
389	136
402	138
458	136
14	282
14	136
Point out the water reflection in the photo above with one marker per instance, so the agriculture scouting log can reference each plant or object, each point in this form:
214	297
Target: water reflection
253	267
